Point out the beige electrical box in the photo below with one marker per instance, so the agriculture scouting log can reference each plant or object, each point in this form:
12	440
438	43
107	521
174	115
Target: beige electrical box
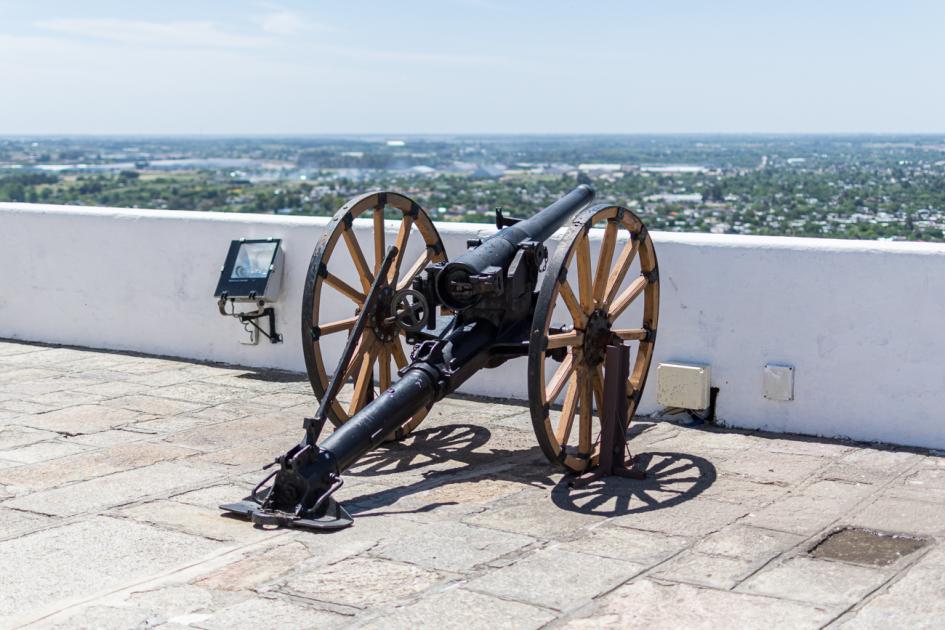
681	385
778	382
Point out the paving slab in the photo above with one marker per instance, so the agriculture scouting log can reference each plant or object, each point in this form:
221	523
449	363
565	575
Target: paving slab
41	451
51	568
361	582
453	547
665	606
621	543
812	508
87	466
556	579
87	419
113	490
268	613
817	581
895	514
720	572
915	601
479	611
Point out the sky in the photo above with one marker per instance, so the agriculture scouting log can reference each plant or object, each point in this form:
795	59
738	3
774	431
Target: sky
471	66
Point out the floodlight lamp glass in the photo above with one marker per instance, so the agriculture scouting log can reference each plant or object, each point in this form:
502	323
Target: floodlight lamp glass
252	271
253	260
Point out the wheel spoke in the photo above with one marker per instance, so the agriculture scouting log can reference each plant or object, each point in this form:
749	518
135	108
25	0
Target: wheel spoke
624	299
631	334
585	289
577	314
384	367
345	288
603	262
561	376
378	238
627	254
402	236
365	346
364	272
364	382
333	327
570	338
567	411
415	268
585	413
400	359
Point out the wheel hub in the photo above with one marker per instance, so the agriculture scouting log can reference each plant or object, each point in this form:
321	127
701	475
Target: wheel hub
597	336
380	321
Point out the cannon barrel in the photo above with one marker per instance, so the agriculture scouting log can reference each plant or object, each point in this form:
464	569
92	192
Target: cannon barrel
499	249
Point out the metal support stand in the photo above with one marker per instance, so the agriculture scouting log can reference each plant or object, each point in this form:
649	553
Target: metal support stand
614	459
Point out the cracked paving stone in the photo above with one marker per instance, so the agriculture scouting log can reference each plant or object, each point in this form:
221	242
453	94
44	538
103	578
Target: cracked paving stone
361	582
555	578
87	466
621	543
656	606
816	581
697	517
452	546
87	419
784	468
810	509
41	451
199	521
744	492
44	569
112	490
915	601
459	609
257	568
236	434
742	541
713	571
17	436
204	393
893	514
869	466
153	405
212	496
533	514
269	613
16	522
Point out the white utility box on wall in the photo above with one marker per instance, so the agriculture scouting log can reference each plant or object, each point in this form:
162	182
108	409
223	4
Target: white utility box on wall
683	386
779	382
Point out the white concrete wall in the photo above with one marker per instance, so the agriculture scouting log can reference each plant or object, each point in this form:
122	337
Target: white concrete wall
861	322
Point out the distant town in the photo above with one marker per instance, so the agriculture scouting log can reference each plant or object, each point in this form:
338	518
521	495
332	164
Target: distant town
865	187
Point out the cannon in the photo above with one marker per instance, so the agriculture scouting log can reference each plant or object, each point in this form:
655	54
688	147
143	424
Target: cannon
504	297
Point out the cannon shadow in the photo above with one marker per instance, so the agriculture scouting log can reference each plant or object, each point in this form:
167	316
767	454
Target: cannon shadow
672	478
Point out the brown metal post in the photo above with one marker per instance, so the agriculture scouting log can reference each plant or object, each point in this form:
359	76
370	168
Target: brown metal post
613	437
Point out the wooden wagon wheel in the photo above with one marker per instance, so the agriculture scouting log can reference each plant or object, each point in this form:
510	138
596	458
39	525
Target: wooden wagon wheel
381	341
576	329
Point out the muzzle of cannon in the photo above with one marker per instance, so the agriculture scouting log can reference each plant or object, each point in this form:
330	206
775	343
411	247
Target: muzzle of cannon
502	298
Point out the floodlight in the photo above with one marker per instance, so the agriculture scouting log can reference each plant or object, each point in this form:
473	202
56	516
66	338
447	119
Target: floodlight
252	272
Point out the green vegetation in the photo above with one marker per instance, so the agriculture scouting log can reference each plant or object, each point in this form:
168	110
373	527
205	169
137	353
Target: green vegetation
847	187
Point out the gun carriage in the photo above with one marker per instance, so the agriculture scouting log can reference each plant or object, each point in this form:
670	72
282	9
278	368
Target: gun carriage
458	317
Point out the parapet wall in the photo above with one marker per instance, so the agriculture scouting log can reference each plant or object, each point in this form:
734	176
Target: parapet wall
860	321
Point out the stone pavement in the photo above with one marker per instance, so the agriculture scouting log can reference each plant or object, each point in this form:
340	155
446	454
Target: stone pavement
112	465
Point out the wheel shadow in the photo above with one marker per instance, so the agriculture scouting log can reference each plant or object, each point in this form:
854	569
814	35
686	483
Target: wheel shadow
671	479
